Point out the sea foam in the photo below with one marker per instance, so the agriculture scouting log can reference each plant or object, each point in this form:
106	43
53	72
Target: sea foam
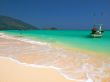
42	66
60	59
22	39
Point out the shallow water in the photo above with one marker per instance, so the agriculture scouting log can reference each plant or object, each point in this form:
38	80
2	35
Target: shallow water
71	38
73	65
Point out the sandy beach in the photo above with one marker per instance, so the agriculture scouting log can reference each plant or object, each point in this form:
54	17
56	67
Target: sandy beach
78	67
10	71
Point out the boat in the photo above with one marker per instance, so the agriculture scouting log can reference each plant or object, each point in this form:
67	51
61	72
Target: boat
96	35
97	31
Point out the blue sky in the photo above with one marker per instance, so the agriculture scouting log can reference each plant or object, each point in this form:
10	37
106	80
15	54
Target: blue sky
67	14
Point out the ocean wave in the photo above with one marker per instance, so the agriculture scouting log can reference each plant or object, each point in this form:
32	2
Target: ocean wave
3	35
43	66
72	65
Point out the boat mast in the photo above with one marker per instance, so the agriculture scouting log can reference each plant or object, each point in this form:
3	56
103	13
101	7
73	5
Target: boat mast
100	28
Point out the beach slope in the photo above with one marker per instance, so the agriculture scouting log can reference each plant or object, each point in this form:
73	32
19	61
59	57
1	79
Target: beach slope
10	71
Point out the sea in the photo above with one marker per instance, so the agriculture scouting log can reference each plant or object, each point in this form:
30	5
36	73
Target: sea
58	49
79	39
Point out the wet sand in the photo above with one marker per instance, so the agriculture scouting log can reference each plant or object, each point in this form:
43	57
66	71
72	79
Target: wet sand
10	71
73	63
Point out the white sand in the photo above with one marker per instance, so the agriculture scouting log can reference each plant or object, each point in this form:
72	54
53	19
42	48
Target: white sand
11	71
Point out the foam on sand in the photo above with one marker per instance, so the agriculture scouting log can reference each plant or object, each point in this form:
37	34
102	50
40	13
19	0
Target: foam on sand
22	39
41	66
72	65
11	71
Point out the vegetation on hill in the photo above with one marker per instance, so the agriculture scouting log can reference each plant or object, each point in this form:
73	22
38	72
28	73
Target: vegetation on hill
9	23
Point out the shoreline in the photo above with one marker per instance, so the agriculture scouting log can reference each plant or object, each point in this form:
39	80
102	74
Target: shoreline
53	45
5	36
25	63
54	71
44	67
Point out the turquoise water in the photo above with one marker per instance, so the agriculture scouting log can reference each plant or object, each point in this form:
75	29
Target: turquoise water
71	38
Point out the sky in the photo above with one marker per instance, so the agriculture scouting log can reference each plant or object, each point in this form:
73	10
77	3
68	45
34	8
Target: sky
63	14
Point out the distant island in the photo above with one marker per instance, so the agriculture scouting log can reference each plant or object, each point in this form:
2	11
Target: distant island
51	28
9	23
